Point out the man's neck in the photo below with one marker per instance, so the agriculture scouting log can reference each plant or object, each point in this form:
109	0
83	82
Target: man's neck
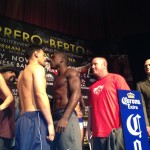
33	61
62	70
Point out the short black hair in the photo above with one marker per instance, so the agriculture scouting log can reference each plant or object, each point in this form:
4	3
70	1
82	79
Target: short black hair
31	49
63	55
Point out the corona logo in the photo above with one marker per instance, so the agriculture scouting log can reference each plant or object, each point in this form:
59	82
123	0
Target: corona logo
133	125
130	95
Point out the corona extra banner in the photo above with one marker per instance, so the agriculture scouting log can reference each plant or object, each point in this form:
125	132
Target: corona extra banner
133	121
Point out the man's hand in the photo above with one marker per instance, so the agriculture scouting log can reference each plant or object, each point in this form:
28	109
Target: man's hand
61	125
51	132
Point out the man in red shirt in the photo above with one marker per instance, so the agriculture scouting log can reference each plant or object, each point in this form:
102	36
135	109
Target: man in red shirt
104	114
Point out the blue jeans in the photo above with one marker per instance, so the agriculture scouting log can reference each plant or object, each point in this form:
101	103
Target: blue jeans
99	143
5	143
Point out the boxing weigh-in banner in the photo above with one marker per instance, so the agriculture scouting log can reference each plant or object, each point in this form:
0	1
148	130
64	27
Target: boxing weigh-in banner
16	36
133	121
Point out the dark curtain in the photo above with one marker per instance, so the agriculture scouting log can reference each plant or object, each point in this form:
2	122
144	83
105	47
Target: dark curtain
88	19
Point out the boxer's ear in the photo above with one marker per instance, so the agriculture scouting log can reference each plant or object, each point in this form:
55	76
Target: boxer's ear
36	54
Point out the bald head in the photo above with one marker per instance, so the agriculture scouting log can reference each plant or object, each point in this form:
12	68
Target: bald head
100	60
99	66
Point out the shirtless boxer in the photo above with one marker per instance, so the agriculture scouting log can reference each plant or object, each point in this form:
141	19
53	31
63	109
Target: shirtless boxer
34	128
67	91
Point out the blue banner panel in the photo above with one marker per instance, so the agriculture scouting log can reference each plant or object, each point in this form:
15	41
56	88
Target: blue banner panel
133	121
